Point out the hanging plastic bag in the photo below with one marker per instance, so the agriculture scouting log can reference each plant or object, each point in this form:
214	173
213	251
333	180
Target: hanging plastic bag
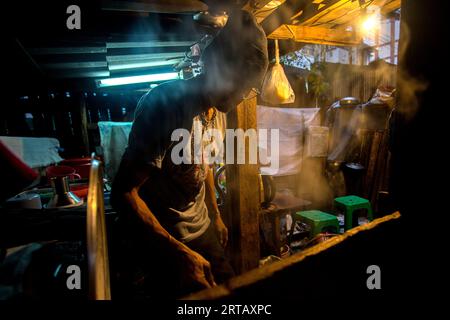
276	88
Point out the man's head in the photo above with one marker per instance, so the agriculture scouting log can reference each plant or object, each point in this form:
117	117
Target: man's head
236	61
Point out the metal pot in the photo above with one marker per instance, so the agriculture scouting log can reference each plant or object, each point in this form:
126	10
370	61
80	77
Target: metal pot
267	188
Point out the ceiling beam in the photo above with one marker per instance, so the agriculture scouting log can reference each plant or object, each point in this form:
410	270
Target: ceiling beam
255	5
283	14
80	73
391	6
302	10
67	50
353	8
331	6
28	56
261	9
166	6
75	65
148	44
148	56
315	35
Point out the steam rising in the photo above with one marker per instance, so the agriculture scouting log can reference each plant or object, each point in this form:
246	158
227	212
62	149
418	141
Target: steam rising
408	86
348	80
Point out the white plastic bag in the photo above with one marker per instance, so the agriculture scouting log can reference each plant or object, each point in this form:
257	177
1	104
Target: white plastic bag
276	88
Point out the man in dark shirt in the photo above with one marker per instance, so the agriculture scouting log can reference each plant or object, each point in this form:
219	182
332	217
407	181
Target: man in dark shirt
170	208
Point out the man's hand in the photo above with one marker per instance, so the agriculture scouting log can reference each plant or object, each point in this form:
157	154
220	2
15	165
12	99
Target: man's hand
196	270
222	231
213	209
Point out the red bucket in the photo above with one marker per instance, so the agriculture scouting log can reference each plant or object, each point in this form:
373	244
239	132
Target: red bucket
82	166
62	171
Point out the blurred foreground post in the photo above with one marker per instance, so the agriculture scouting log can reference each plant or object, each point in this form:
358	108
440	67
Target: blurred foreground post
242	198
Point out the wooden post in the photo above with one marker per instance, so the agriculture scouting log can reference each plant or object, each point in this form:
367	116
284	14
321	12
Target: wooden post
84	124
392	42
243	198
362	56
350	55
377	44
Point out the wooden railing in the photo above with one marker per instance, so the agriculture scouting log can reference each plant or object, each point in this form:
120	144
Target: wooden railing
98	262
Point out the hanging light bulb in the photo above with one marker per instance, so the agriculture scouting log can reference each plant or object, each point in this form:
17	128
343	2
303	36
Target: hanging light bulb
369	21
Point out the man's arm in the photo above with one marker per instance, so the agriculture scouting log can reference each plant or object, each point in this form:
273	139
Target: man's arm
125	198
213	209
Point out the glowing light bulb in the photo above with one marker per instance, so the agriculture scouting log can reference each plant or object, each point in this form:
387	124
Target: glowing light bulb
370	23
